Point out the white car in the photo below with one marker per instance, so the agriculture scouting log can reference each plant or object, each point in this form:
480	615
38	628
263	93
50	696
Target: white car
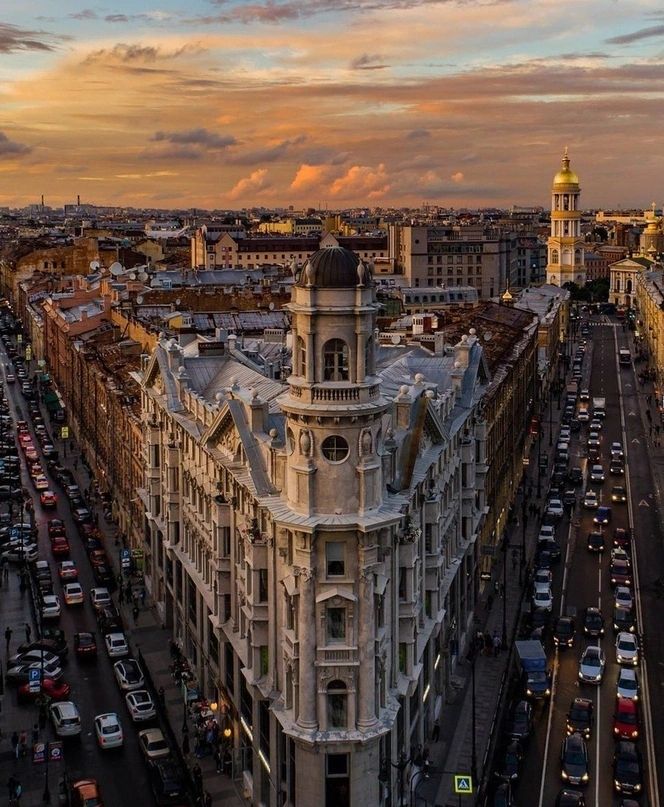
583	415
50	606
627	649
597	473
584	395
542	597
100	597
595	425
141	706
19	551
128	674
628	684
591	500
34	655
618	553
617	452
565	434
66	719
623	598
547	533
153	744
73	594
543	577
108	730
555	509
116	645
592	664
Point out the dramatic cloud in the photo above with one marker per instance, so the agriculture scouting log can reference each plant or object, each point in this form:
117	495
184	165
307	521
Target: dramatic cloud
9	148
136	52
637	36
247	187
309	177
457	177
361	181
196	137
368	61
14	39
268	154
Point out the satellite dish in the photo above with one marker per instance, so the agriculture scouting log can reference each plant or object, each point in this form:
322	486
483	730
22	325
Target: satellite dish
116	269
94	266
271	306
396	339
143	276
132	276
487	336
139	299
177	301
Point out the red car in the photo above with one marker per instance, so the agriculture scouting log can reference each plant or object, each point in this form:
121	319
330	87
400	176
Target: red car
67	571
85	644
22	426
24	438
48	499
86	793
98	557
626	719
55	527
59	546
56	690
621	573
622	537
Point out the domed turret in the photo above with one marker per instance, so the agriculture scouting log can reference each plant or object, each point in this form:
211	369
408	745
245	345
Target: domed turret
334	268
565	176
566	262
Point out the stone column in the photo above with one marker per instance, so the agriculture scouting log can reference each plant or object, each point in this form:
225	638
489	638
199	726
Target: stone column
312	360
366	712
307	644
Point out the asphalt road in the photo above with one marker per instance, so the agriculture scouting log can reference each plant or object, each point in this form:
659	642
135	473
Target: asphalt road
583	580
121	773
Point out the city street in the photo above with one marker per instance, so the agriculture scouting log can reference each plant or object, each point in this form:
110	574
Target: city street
121	773
582	580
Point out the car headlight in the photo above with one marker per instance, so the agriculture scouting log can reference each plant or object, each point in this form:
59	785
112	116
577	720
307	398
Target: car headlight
637	787
616	730
616	784
565	775
585	777
635	733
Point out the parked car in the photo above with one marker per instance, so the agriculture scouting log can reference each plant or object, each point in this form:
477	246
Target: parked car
50	606
128	674
108	731
65	718
509	766
153	744
140	705
167	781
100	598
116	645
521	721
55	690
86	793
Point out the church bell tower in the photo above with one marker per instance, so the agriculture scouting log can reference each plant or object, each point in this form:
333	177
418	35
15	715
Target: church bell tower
565	245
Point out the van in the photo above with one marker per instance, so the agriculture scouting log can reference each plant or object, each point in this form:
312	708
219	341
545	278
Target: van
66	719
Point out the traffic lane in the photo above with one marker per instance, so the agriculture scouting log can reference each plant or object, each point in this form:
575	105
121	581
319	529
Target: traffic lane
121	774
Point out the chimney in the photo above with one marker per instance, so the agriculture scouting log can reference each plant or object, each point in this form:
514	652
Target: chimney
42	202
78	200
461	352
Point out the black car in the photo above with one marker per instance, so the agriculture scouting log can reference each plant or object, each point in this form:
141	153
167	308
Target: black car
570	798
510	763
503	796
109	620
593	622
627	768
563	631
550	546
596	541
624	620
569	498
57	647
167	781
580	717
104	576
574	760
616	468
521	721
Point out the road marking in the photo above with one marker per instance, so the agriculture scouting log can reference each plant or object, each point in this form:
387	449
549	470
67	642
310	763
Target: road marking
636	440
653	794
643	503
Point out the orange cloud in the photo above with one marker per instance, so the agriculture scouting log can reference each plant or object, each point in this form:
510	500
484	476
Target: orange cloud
308	177
457	176
250	185
361	181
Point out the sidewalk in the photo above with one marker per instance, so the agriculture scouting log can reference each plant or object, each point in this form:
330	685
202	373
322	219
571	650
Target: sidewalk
453	753
150	642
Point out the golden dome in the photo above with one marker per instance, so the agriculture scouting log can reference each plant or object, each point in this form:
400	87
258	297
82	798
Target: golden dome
565	176
507	296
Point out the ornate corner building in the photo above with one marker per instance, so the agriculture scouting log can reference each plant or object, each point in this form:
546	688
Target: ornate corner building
565	244
314	544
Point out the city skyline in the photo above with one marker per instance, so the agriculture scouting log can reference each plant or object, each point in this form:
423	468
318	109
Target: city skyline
221	104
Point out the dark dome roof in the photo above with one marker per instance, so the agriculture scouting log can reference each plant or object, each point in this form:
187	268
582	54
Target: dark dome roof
333	268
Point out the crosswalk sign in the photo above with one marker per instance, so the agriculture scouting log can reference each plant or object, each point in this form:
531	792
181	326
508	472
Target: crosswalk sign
463	784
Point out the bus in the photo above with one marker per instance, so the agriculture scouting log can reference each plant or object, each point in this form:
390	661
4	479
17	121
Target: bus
624	357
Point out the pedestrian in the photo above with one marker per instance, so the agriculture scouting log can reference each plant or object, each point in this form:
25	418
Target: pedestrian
657	429
135	612
496	588
479	640
143	595
14	741
496	644
514	559
217	759
5	570
197	775
28	633
435	734
208	799
119	580
11	788
8	637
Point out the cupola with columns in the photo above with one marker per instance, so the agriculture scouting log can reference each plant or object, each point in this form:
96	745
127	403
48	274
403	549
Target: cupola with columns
333	406
565	245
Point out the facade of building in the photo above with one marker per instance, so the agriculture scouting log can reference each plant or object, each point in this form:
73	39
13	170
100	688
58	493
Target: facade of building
623	279
565	244
478	256
313	544
650	305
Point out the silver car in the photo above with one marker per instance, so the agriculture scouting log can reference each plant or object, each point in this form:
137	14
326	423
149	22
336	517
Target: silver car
591	665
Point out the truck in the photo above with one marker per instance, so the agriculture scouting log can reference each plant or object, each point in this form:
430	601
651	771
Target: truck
532	662
599	407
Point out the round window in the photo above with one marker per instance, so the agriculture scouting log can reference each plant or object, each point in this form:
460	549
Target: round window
335	448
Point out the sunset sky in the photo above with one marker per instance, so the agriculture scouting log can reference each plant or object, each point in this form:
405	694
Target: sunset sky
216	103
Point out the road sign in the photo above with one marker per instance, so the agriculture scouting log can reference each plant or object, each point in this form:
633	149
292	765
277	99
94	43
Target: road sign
34	680
39	752
41	362
55	751
28	353
19	339
64	432
463	784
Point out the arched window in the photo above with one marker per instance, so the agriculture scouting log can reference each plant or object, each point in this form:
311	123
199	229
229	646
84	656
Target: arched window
301	361
577	256
554	256
335	360
628	286
337	705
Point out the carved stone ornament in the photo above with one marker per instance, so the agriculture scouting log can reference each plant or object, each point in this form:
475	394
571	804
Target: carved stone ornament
304	572
366	442
305	443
